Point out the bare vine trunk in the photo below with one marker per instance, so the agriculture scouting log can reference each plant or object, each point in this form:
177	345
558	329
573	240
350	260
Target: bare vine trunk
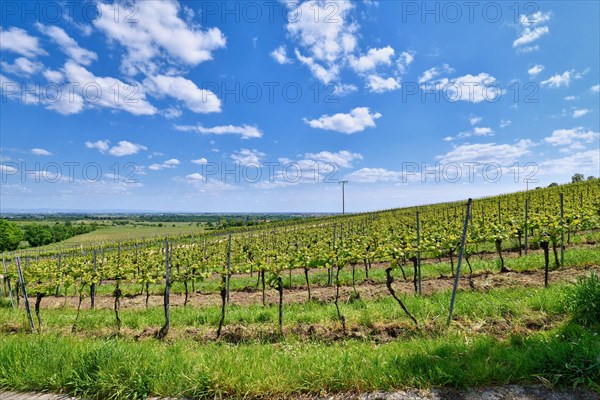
388	282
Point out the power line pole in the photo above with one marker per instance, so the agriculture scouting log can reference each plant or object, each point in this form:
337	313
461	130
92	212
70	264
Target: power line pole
343	183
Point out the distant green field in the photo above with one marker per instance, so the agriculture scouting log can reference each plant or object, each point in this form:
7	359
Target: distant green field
123	233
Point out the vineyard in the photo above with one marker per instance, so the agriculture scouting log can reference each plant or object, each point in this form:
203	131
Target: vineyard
489	274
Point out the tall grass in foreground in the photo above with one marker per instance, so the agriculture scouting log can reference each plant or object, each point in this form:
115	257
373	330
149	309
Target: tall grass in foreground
122	369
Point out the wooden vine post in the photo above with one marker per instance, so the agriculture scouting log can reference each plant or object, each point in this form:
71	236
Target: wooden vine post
562	231
419	253
460	256
165	329
25	298
526	224
93	285
228	267
9	287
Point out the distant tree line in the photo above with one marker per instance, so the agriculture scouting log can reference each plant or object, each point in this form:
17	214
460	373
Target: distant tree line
12	235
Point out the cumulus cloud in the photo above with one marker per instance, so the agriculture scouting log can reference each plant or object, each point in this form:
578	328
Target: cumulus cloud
245	131
19	41
22	67
581	112
536	69
200	161
100	145
357	120
583	162
404	60
157	31
198	100
132	97
434	72
40	152
342	159
371	60
123	148
377	84
247	156
558	80
325	44
572	139
502	154
531	30
172	163
67	44
374	175
280	55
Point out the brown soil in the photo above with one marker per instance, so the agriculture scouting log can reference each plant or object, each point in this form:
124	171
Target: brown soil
368	290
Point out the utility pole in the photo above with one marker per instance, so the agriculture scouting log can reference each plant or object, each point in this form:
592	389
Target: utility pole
343	183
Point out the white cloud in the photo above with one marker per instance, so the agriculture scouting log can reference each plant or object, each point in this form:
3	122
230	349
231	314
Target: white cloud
131	98
357	120
53	76
581	112
125	148
477	131
200	161
169	164
434	72
328	42
171	112
373	175
325	75
503	154
556	80
530	31
245	131
9	169
280	55
582	162
247	156
471	88
536	69
67	44
100	145
404	60
156	30
19	41
570	98
571	139
342	159
377	84
22	67
527	49
195	177
40	152
371	60
595	88
505	123
344	89
474	120
534	19
531	35
195	99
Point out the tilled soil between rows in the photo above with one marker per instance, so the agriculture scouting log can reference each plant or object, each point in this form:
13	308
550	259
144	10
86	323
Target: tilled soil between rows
368	290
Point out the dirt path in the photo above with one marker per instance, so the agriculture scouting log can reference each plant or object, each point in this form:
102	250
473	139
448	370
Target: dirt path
368	290
509	392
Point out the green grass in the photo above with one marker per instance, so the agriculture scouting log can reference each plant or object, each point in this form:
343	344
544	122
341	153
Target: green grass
518	304
123	369
491	342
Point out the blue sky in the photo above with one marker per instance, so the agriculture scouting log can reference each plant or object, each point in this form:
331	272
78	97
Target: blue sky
264	106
